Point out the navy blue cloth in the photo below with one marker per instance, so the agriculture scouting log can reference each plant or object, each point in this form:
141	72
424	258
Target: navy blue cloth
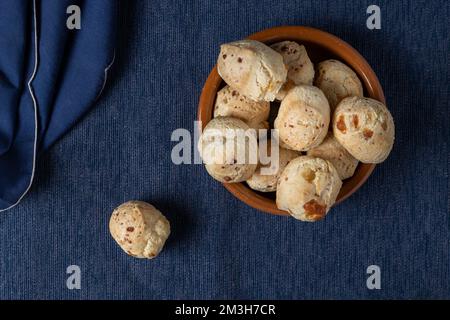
219	247
50	75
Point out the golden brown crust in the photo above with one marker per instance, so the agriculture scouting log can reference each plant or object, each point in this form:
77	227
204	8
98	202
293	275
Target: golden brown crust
307	188
230	103
251	67
303	118
333	151
300	67
268	183
314	211
337	81
222	160
371	138
139	229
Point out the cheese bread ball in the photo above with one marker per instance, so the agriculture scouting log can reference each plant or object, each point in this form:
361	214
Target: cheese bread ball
139	229
252	68
300	67
330	149
337	81
229	149
230	103
307	188
303	118
260	180
365	128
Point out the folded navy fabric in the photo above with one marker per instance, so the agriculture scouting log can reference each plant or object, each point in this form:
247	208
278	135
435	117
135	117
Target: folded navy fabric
50	75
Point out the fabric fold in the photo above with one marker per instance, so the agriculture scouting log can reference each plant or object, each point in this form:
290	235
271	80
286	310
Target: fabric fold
50	76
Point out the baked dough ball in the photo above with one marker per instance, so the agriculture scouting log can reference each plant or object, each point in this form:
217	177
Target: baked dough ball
365	128
229	149
252	68
139	229
330	149
264	182
300	67
307	188
303	118
230	103
337	81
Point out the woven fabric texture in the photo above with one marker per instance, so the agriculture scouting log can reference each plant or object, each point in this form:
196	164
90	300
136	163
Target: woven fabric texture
220	248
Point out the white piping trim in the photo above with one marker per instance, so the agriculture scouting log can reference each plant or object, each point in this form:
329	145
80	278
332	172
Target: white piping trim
106	75
30	89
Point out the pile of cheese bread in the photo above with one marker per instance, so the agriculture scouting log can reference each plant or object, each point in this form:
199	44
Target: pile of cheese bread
324	126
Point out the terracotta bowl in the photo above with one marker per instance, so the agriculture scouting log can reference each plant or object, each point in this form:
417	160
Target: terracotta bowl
320	46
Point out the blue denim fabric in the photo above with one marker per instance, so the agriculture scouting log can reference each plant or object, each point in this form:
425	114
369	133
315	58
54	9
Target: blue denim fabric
219	247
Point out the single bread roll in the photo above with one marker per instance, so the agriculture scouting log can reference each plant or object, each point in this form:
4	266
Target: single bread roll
303	118
307	188
365	128
300	67
229	149
252	68
264	182
330	149
139	229
337	81
230	103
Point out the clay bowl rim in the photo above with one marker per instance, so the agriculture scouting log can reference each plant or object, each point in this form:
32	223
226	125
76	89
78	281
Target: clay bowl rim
344	52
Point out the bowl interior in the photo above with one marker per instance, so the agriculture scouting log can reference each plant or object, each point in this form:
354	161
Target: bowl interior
320	46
